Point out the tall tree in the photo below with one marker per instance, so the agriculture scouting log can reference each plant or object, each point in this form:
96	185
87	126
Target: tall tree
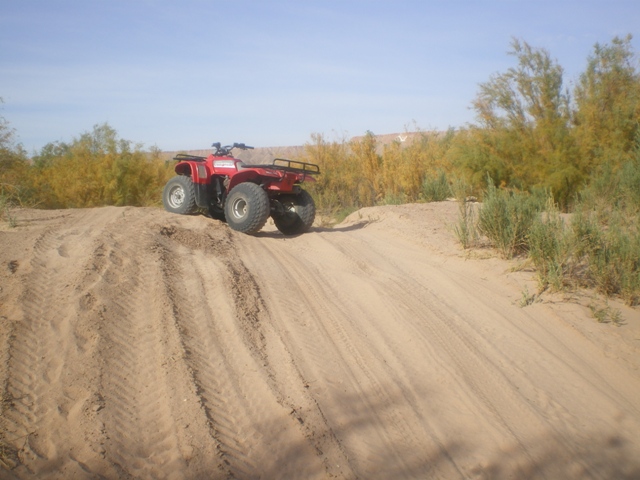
607	98
523	132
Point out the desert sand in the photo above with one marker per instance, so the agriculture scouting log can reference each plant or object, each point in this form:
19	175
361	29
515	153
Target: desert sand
139	344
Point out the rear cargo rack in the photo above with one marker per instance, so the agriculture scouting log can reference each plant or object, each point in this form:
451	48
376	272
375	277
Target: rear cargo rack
289	166
294	165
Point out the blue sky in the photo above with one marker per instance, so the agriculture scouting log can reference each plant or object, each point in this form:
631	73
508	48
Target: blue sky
182	74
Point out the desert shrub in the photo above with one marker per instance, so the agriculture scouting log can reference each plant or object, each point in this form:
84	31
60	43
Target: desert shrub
436	189
416	170
506	218
5	210
364	156
550	248
394	199
612	190
629	185
466	228
606	229
613	259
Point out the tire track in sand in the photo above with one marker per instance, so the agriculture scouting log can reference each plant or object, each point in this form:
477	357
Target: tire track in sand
225	350
139	428
43	347
207	367
508	398
31	359
317	323
415	306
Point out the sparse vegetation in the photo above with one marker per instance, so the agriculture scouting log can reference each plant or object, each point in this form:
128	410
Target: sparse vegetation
605	314
527	298
466	228
550	247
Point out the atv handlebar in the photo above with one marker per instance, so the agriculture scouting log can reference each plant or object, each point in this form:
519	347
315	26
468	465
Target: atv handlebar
242	146
226	150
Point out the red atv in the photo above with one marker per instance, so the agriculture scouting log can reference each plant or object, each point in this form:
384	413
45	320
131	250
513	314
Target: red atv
242	195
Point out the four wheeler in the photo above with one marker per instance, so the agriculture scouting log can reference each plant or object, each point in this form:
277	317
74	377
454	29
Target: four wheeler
243	195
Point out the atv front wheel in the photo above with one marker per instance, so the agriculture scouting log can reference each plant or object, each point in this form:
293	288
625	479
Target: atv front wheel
179	196
297	215
247	208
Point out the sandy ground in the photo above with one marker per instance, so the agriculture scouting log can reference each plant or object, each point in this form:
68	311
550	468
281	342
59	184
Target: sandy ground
139	344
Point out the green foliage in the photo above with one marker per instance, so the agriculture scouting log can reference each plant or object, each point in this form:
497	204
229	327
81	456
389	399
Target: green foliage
550	246
607	100
606	314
523	139
530	135
607	226
506	218
466	228
526	298
436	189
612	190
614	262
394	199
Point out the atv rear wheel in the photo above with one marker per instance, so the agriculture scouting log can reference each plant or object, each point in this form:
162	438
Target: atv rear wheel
179	196
247	208
297	215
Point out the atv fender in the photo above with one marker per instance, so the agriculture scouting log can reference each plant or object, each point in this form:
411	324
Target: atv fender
242	177
201	181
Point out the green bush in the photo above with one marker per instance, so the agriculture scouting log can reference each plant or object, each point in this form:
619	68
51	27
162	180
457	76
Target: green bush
606	230
506	218
394	199
436	189
466	228
550	247
613	258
